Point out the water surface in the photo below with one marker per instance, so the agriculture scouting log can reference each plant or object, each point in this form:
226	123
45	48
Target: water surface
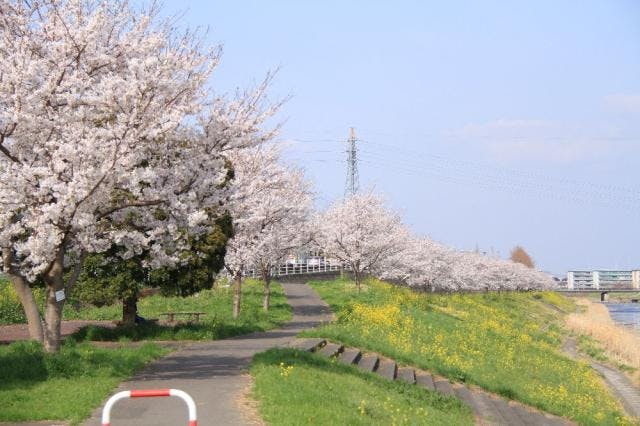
627	314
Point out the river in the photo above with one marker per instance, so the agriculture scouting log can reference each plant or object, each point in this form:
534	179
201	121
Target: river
627	314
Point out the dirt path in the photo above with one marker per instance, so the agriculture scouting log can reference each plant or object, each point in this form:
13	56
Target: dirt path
14	332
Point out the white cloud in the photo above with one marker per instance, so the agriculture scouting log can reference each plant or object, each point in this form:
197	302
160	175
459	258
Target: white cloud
538	140
512	128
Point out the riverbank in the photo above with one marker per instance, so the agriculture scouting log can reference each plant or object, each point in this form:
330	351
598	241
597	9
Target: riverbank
619	344
507	343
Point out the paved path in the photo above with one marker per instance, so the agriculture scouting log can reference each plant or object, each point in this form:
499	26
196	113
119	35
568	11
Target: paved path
213	373
628	394
619	384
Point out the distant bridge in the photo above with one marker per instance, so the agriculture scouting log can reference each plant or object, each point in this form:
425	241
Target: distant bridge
604	292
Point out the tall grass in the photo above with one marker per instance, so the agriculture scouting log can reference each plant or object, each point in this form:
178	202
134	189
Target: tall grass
618	343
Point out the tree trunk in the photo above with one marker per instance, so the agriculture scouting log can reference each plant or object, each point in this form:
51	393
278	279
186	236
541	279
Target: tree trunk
356	276
129	310
25	294
214	282
237	287
34	320
54	279
266	296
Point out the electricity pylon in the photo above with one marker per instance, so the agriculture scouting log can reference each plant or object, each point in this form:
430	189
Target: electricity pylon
351	187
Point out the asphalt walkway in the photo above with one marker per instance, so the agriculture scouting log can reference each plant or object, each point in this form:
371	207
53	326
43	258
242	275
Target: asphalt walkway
213	373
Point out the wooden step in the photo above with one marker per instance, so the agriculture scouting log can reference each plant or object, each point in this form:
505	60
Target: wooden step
307	345
368	362
330	350
349	356
407	374
425	380
443	386
387	369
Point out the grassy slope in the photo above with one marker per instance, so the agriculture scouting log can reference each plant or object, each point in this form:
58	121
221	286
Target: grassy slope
216	324
297	388
507	343
64	386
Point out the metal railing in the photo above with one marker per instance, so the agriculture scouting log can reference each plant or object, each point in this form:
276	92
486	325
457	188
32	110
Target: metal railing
300	269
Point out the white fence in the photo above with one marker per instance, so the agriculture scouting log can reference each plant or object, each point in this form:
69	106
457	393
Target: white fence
299	269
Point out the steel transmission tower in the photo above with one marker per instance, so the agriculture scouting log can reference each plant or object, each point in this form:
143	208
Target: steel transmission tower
351	187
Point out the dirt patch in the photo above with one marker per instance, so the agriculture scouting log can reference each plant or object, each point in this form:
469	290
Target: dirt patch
14	332
248	406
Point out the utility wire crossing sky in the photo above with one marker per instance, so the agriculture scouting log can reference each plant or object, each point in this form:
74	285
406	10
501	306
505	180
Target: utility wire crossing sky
486	124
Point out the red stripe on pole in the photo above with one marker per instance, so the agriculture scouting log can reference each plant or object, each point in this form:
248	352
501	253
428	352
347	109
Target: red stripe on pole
193	423
149	392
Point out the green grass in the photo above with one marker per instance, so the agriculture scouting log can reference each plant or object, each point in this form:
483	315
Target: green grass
506	343
66	386
297	388
216	324
588	345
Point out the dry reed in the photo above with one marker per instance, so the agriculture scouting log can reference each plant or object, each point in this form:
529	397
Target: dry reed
618	343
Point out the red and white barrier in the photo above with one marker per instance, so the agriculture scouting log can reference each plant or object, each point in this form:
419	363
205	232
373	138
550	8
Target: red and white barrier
106	412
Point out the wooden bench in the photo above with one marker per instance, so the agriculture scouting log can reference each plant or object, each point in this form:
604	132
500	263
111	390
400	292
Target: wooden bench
192	316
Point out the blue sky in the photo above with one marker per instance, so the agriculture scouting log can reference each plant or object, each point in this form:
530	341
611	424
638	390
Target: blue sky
485	124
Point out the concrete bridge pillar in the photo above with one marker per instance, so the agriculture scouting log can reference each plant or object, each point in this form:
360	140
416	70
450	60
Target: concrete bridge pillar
604	296
635	279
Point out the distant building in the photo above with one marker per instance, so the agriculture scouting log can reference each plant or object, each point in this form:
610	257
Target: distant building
603	279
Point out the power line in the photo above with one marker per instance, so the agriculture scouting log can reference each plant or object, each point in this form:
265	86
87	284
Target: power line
416	163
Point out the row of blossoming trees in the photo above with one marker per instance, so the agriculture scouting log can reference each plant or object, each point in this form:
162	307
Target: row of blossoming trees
111	142
363	234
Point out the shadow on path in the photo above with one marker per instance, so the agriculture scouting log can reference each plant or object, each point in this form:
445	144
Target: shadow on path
213	373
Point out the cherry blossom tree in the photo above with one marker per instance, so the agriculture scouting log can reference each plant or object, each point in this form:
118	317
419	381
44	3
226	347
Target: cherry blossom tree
435	267
105	140
360	232
283	228
422	263
269	205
